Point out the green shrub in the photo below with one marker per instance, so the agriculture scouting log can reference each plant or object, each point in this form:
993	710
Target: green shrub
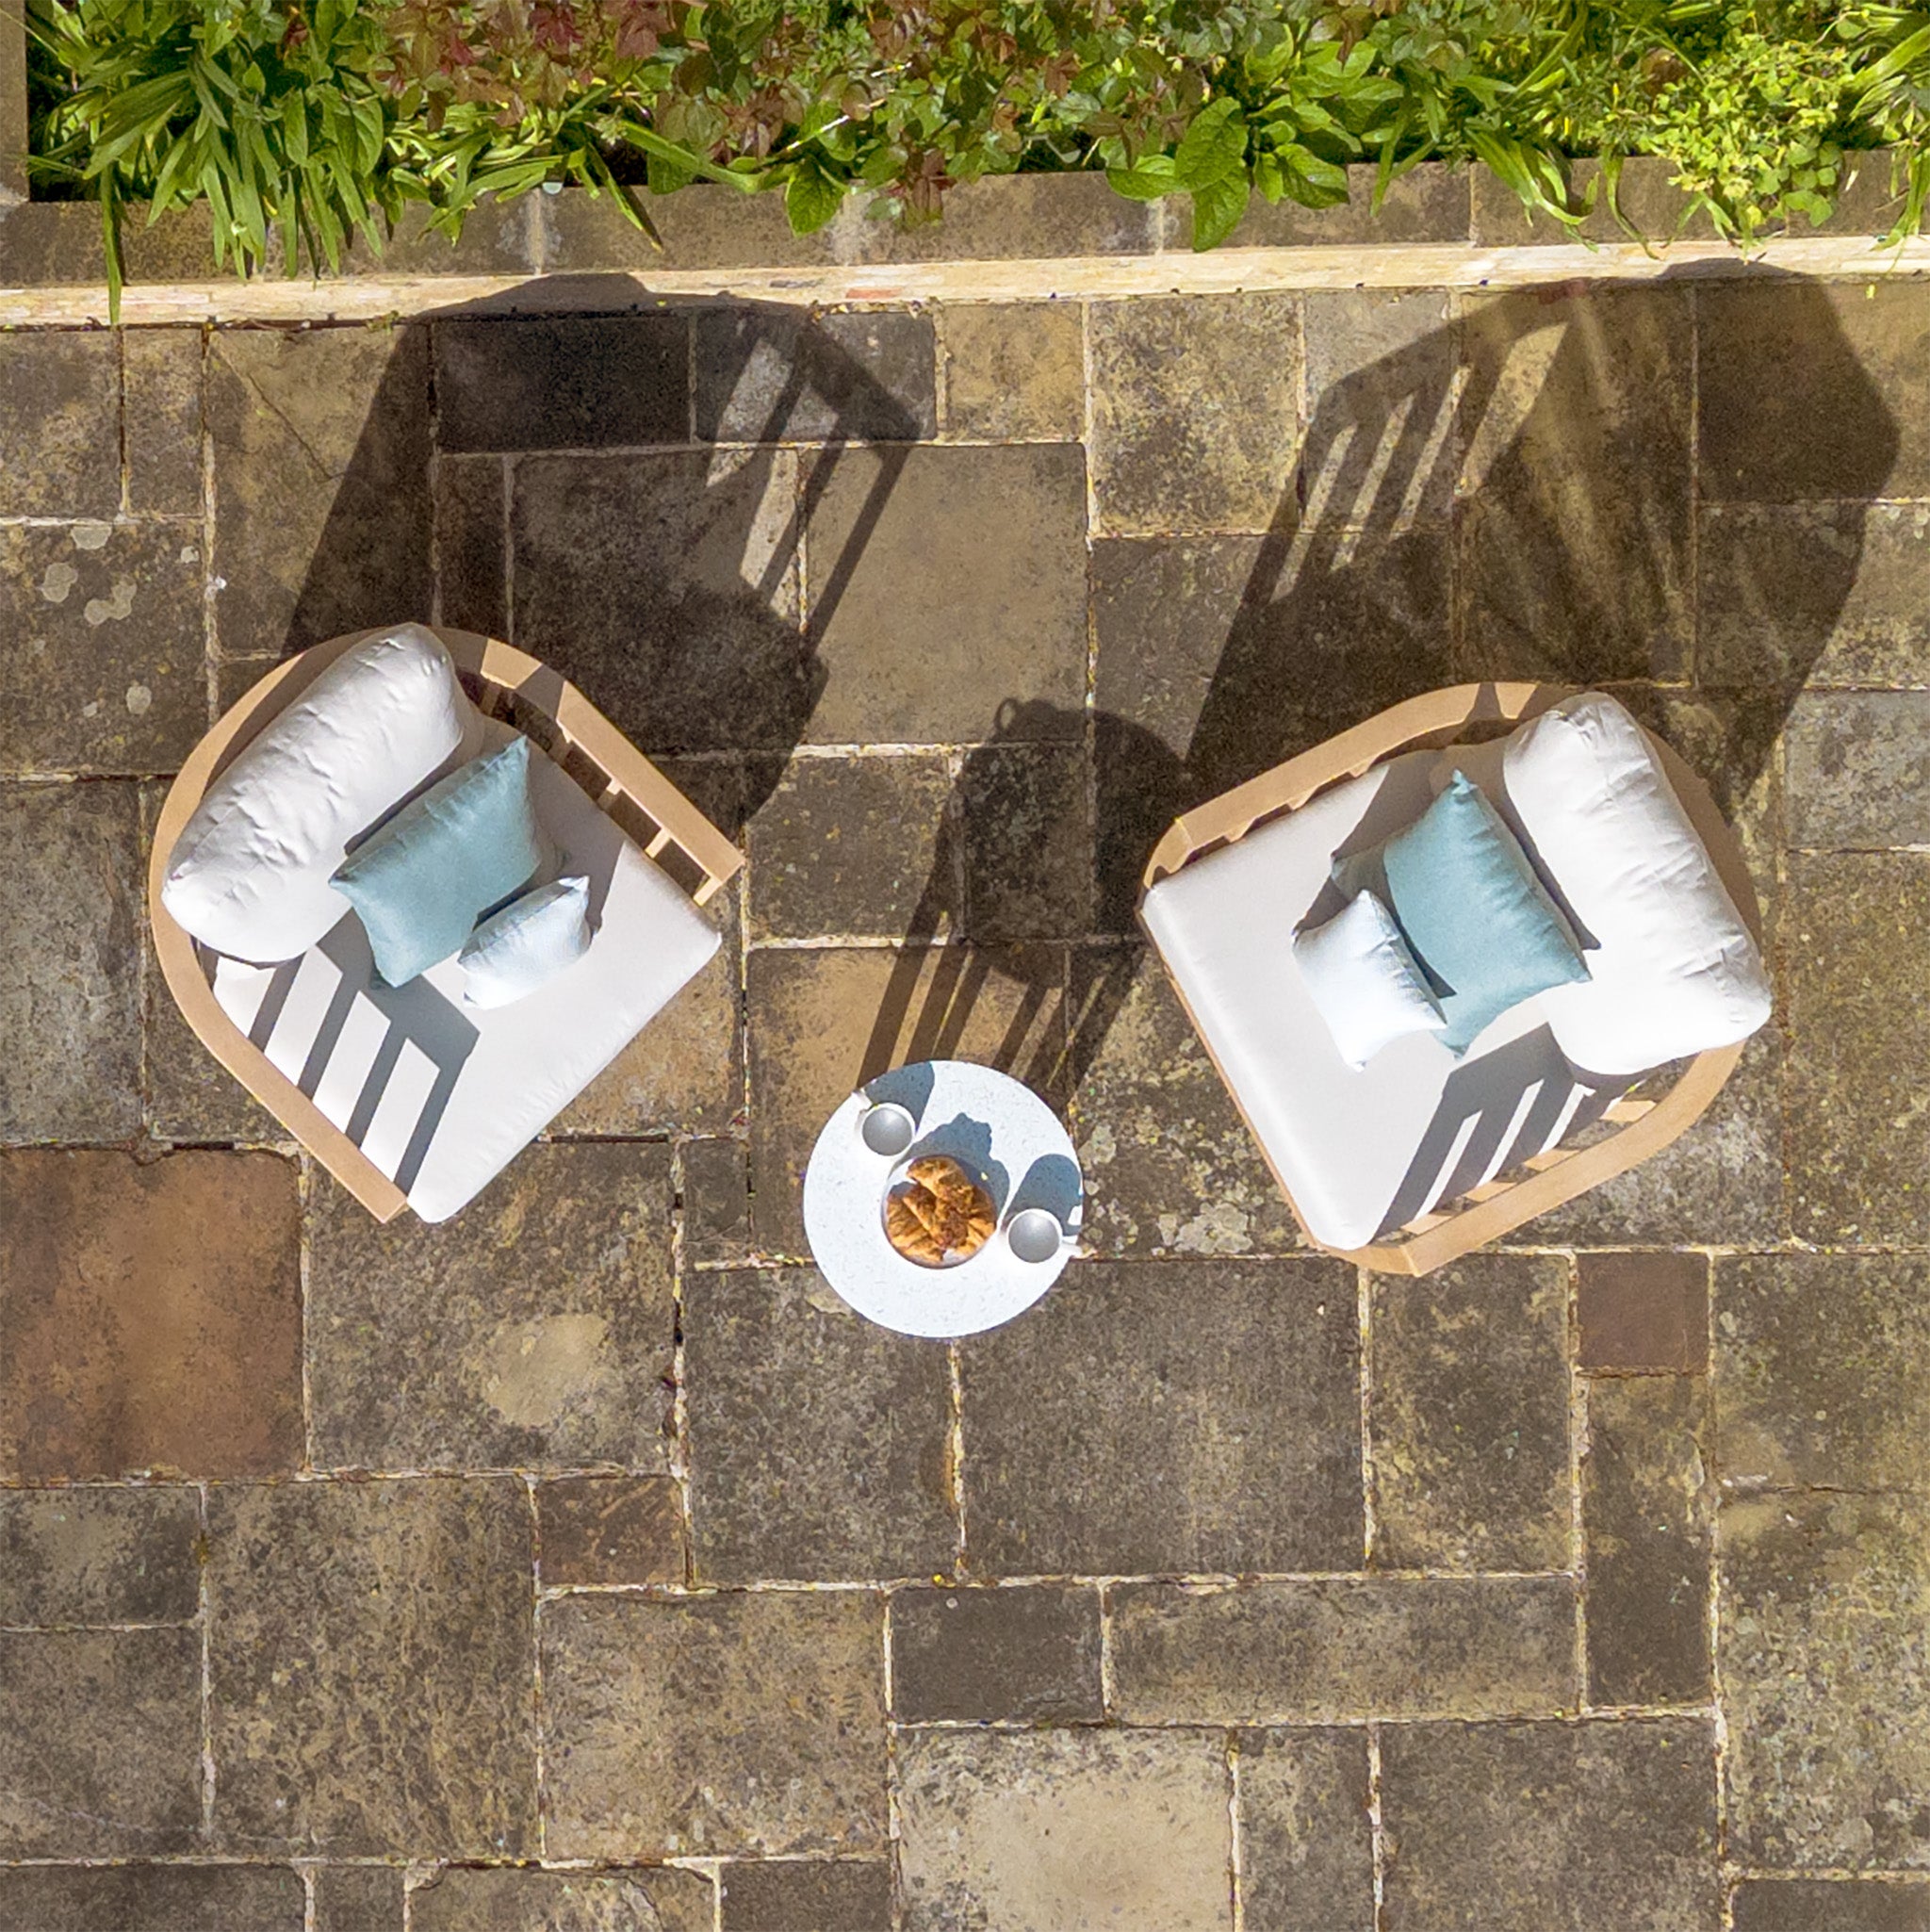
319	119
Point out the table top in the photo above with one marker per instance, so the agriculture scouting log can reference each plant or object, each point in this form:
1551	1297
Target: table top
990	1123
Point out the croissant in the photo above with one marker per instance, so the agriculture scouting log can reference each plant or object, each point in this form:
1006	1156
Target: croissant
941	1211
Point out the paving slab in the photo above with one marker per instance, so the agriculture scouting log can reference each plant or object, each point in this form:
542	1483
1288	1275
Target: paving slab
162	373
1381	394
562	381
320	448
1823	1602
806	1895
716	1200
1820	1370
70	984
822	1021
1325	1649
150	1314
602	1529
776	375
1647	1515
747	1723
948	593
60	424
1468	1416
1575	484
1031	1652
1858	771
1779	356
1830	1905
1306	1849
100	1743
461	1900
536	1328
1812	594
156	1898
1027	841
1550	1827
1013	373
663	584
1193	401
99	1556
857	846
1855	943
106	671
371	1667
819	1444
358	1898
1171	1168
1642	1313
1199	1416
1065	1831
472	504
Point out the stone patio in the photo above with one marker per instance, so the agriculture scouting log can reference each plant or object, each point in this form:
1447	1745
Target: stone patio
583	1565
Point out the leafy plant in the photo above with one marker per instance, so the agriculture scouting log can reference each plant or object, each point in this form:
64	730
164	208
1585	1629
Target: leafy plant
272	119
315	121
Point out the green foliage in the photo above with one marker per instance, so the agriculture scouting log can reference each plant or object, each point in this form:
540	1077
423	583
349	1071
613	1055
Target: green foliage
317	119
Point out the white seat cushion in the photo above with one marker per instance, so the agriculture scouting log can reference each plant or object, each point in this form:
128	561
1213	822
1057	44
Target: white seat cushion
1359	1149
442	1096
249	875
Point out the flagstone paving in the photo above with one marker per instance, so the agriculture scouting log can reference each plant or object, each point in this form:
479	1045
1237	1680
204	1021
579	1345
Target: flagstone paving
583	1564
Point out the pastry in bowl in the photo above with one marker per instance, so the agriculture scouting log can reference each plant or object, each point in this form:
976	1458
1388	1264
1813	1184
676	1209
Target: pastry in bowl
939	1215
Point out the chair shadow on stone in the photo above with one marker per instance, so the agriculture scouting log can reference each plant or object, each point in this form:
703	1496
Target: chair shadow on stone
517	474
1531	464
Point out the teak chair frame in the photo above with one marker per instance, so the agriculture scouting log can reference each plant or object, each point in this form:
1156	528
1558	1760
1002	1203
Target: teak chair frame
1467	714
504	683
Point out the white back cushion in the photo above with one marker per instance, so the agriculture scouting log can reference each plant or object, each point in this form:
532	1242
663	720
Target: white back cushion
249	875
1674	969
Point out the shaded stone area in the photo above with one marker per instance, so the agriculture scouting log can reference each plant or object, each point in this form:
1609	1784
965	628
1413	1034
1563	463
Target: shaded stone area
356	1576
1029	1652
148	1898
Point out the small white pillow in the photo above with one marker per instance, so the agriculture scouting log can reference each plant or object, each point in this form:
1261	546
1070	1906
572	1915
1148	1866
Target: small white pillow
1673	969
249	875
526	944
1364	980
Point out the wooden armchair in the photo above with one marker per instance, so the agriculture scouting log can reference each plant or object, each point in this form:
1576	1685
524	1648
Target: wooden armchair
505	684
1629	1128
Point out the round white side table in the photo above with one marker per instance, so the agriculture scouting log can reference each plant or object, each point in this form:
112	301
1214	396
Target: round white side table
982	1117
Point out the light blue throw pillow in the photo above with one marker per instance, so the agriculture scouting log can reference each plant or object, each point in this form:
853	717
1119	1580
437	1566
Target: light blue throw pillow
421	883
1478	919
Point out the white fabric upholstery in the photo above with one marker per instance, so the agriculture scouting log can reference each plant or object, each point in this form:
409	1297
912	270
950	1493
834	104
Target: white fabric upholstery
249	875
1359	1149
1675	971
1364	981
442	1096
526	944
